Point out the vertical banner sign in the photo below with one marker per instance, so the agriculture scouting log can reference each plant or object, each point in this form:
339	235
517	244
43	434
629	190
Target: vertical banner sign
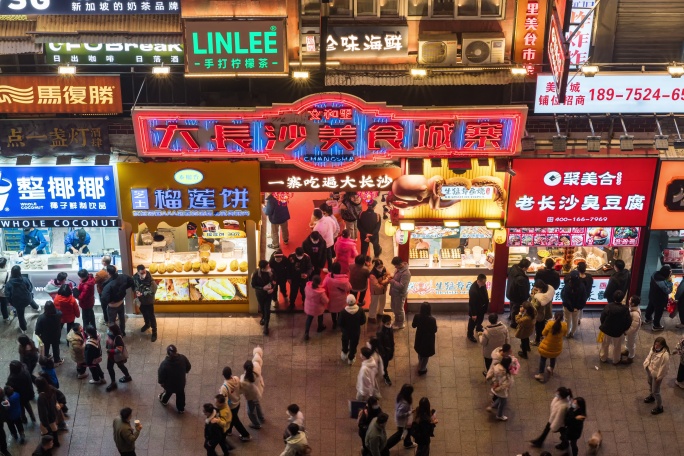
558	58
561	8
530	25
581	43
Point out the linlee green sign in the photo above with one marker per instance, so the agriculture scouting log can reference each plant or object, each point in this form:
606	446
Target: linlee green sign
235	47
114	54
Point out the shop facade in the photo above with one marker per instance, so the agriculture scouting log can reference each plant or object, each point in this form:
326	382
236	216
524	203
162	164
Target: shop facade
193	226
591	211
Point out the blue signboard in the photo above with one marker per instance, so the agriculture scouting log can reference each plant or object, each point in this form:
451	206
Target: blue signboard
57	192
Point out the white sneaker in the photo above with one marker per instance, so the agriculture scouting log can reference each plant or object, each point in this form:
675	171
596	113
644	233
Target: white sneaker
502	418
351	361
343	356
679	384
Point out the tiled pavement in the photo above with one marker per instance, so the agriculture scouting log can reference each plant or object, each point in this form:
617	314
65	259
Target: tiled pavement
312	375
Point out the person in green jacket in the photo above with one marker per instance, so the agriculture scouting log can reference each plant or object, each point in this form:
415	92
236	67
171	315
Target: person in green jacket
125	435
376	437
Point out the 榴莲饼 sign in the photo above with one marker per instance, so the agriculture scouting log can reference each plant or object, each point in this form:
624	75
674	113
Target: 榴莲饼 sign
583	193
44	7
235	47
114	54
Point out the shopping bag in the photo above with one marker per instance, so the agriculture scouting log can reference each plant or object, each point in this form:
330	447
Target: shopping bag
136	306
355	407
672	307
39	344
599	339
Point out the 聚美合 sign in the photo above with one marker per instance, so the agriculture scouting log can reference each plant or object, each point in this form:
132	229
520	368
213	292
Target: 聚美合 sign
367	41
57	192
584	193
297	180
329	132
44	7
235	47
114	54
606	92
58	136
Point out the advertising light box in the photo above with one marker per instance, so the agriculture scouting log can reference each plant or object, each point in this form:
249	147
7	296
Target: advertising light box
44	7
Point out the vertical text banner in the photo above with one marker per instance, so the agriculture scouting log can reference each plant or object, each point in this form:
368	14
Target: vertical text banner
558	57
530	25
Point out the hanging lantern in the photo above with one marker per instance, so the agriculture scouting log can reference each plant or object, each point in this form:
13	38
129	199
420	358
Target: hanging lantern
500	236
401	237
283	197
367	195
389	228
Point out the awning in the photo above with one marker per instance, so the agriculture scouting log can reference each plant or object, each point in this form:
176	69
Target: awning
399	75
138	29
14	38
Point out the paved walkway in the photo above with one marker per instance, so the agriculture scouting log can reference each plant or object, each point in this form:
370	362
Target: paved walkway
312	375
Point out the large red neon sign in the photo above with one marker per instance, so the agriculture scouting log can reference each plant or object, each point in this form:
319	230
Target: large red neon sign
329	132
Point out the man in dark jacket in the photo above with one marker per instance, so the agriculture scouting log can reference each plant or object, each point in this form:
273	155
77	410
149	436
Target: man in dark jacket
300	272
517	288
113	295
19	293
615	321
278	214
145	289
369	228
280	269
618	281
171	376
658	295
548	275
478	305
351	320
44	448
262	282
317	249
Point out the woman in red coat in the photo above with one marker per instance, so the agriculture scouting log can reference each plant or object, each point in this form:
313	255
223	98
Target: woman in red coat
345	251
315	304
66	303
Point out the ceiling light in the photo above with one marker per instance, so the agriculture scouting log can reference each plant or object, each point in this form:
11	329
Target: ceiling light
675	71
529	144
452	223
626	143
418	72
300	75
161	70
493	224
66	69
407	225
518	71
593	144
590	70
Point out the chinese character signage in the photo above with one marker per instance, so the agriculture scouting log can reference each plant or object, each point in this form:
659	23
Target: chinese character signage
582	193
444	287
235	47
530	26
581	43
329	132
668	209
44	7
114	54
155	192
297	180
50	137
367	41
596	295
57	192
574	236
605	92
454	192
62	95
558	57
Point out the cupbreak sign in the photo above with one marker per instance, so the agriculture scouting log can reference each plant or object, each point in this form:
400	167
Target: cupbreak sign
329	132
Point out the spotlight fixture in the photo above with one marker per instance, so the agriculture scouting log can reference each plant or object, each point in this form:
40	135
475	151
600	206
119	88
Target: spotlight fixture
675	70
661	141
300	75
483	161
418	72
493	224
626	140
102	160
63	160
511	172
679	142
529	144
24	160
560	143
407	225
66	69
518	71
590	71
593	141
452	223
161	70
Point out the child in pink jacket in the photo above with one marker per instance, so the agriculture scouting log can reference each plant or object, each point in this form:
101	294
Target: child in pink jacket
345	251
337	287
315	303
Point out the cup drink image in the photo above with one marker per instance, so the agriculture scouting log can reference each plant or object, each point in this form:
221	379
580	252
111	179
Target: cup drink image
137	422
5	187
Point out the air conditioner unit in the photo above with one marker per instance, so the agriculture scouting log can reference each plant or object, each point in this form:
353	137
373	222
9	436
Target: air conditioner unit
483	48
439	50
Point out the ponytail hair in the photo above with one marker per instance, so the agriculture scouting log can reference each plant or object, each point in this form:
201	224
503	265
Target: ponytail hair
249	371
558	324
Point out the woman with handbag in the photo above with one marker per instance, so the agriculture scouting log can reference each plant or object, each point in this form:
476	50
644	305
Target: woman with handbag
93	356
116	354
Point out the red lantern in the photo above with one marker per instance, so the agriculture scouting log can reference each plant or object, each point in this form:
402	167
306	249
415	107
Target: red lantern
283	197
368	196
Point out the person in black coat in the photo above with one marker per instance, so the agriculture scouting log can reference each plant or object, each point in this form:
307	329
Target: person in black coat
658	295
369	229
113	295
518	288
385	337
317	249
278	214
574	425
618	281
615	321
300	269
350	321
549	275
263	283
426	328
171	376
478	305
20	380
279	268
19	293
49	329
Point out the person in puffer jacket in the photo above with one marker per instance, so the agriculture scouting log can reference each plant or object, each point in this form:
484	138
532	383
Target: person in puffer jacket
76	339
345	251
559	406
230	388
351	320
66	303
657	364
252	387
86	297
366	383
542	301
315	303
502	380
574	296
615	321
495	334
296	444
633	331
337	287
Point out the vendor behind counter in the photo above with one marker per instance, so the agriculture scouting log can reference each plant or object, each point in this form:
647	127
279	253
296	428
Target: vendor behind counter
32	242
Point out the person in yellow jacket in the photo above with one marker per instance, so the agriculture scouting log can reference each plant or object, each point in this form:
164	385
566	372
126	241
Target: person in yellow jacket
551	346
218	417
657	364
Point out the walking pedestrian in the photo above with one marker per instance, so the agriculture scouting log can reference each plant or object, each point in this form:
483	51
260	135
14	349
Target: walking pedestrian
403	414
66	303
19	293
328	228
499	353
369	228
117	354
375	353
559	406
28	353
502	380
657	364
20	380
145	290
371	411
294	415
517	288
125	435
351	320
548	274
376	437
658	295
171	376
47	409
300	270
525	320
385	337
350	211
426	328
552	346
345	251
627	355
44	448
77	341
230	388
113	294
49	329
101	278
14	424
315	302
478	305
541	299
574	424
615	321
398	290
316	248
296	444
337	287
278	215
252	387
588	285
86	297
359	274
279	268
379	280
93	356
620	280
574	297
263	282
495	334
423	427
679	350
53	286
4	277
47	371
218	418
366	381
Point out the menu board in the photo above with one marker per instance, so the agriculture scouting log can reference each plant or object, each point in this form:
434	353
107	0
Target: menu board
573	237
233	289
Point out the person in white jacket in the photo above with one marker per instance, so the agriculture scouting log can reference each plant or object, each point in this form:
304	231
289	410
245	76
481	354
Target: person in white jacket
657	364
366	382
495	334
559	405
252	387
631	334
230	389
502	380
296	444
541	299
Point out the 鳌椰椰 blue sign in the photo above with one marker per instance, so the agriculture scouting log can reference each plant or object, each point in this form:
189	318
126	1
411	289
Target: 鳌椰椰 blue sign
57	192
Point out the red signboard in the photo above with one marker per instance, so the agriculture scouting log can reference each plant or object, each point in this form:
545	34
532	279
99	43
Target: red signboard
329	132
530	24
558	57
584	193
298	180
